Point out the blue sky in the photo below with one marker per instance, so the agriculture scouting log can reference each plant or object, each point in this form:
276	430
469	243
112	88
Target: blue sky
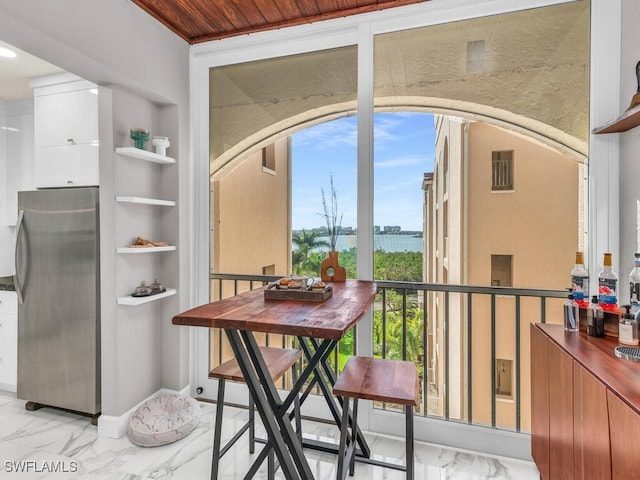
403	151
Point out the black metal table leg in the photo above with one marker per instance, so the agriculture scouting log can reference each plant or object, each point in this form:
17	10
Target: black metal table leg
334	403
276	409
283	438
266	412
313	360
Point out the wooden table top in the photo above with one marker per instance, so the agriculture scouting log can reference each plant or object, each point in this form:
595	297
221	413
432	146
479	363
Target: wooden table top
249	311
597	355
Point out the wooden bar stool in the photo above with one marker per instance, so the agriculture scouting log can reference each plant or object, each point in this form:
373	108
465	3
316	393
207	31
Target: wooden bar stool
391	381
278	361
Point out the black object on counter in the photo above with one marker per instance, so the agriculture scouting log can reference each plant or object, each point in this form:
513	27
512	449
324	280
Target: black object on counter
6	284
595	318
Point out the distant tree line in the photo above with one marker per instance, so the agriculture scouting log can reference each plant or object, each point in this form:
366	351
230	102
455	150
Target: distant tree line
307	256
310	250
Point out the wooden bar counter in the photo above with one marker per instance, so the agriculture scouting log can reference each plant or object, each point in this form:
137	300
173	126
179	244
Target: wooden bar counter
585	406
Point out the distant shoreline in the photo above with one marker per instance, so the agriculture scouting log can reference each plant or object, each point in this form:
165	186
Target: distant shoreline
350	232
389	242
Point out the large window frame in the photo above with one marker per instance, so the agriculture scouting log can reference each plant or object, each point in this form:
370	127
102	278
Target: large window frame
360	30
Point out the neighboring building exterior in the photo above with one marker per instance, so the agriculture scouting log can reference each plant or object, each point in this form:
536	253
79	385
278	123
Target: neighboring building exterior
251	214
251	221
487	223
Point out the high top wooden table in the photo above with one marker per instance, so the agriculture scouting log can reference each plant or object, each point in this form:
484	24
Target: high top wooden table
318	326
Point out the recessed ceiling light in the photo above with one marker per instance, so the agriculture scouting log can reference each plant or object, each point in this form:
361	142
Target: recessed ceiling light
5	52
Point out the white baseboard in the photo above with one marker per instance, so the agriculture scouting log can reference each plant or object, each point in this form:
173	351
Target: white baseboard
116	426
8	387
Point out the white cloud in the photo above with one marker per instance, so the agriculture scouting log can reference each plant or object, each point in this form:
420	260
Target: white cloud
330	134
403	161
394	127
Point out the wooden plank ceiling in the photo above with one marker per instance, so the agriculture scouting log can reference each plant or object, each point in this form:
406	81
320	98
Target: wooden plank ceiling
203	20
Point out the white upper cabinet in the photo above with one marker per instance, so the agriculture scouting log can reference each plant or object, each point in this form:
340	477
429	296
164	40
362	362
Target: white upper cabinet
67	166
66	132
67	118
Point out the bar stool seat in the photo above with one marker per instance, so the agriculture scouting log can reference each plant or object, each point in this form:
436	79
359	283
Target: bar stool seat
377	379
278	361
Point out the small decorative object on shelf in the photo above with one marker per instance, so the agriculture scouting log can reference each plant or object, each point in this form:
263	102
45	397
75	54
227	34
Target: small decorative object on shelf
140	136
156	286
160	144
141	290
144	290
142	243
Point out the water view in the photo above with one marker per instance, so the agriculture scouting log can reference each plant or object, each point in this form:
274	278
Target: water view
386	242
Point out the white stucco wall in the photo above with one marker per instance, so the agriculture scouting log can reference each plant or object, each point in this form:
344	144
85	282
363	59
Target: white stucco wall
116	43
105	42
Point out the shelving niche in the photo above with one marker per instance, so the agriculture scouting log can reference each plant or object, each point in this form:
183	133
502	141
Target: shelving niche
152	157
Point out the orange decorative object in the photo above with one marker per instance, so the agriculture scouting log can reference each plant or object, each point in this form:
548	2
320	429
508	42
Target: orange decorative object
330	269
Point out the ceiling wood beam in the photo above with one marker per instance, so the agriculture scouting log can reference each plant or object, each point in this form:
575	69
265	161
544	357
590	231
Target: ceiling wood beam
199	21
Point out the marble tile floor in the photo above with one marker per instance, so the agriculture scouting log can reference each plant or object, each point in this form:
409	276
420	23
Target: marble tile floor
48	438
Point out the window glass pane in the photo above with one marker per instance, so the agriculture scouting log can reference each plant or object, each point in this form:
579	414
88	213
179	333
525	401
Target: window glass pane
255	108
403	150
261	187
502	190
324	184
529	69
252	102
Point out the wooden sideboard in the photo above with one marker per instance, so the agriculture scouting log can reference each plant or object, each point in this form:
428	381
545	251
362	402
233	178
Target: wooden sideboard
585	407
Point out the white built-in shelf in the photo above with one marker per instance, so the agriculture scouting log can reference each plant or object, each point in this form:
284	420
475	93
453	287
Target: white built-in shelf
133	301
169	248
146	201
146	155
628	120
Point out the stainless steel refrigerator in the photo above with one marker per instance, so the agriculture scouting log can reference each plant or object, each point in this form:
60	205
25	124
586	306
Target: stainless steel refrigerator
58	285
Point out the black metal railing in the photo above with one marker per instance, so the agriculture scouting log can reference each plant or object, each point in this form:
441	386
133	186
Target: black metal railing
467	341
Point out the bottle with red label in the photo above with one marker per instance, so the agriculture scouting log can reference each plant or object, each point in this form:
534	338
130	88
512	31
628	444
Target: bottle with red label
634	285
608	285
580	282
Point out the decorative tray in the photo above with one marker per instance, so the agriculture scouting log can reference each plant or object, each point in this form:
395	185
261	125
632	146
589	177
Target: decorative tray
305	294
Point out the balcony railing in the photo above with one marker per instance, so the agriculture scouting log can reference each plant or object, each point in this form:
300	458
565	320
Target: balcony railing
470	343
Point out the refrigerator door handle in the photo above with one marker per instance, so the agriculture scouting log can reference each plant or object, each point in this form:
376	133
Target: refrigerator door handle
18	284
